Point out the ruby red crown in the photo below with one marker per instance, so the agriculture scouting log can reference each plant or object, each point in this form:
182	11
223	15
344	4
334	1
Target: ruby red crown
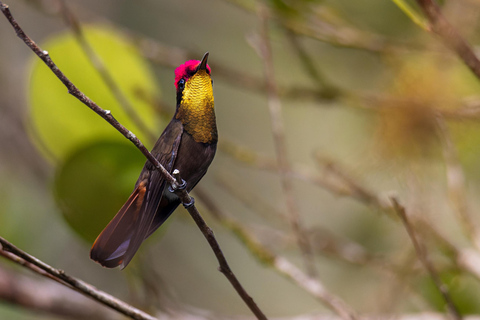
186	70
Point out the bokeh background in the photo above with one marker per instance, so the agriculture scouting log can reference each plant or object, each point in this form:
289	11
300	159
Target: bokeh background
373	106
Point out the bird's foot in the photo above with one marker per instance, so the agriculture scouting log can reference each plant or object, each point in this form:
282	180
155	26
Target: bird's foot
180	183
190	204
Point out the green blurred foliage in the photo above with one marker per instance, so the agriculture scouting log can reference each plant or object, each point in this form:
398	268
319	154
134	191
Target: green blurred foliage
462	288
97	166
431	83
466	137
60	123
93	182
289	7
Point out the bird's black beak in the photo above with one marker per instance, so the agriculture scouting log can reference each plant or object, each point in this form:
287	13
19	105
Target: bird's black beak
203	64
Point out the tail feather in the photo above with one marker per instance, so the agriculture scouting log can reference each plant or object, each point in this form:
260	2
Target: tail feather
112	244
119	241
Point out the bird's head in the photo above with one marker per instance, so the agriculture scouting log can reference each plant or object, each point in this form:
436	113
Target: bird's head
193	82
195	105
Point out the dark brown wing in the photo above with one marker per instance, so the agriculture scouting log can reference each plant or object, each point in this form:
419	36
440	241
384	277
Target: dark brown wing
117	243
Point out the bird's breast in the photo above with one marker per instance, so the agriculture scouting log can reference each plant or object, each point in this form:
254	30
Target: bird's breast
200	123
193	159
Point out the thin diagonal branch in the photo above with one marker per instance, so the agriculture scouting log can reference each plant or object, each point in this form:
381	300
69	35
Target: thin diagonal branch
224	267
182	193
411	13
21	257
449	35
336	181
106	76
280	264
319	27
333	178
324	86
278	131
424	259
21	290
74	91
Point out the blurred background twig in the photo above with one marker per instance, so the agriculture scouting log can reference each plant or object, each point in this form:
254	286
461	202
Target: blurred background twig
372	106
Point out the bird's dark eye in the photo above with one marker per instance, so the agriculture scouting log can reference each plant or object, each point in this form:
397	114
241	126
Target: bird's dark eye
181	84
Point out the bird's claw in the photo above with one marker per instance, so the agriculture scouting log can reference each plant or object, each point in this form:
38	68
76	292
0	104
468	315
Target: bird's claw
190	204
176	187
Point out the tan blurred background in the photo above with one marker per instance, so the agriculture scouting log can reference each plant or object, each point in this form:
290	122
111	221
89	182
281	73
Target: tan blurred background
361	89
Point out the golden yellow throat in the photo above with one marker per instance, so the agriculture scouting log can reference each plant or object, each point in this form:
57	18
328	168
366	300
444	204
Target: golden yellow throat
196	110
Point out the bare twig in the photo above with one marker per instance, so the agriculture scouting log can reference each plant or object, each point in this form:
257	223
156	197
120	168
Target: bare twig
224	267
333	178
323	241
21	257
466	259
106	76
278	131
314	287
171	56
319	26
411	13
423	257
354	187
338	182
251	200
449	35
282	265
49	298
182	193
161	54
310	67
46	297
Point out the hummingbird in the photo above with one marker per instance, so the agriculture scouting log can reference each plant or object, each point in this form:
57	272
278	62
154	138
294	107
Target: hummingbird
188	144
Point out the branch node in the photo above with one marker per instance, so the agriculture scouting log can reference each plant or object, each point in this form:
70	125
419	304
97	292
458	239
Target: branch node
131	136
181	184
108	112
174	181
189	204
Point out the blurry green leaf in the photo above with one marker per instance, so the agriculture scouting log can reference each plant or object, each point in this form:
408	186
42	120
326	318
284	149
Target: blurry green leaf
366	229
436	84
94	182
462	289
412	14
60	122
466	136
293	7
